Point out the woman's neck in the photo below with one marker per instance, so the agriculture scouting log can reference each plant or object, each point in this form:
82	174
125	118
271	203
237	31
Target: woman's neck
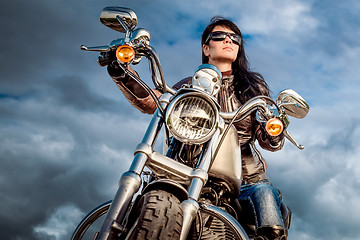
222	66
227	73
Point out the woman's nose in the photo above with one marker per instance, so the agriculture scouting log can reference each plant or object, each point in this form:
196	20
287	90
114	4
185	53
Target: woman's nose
227	40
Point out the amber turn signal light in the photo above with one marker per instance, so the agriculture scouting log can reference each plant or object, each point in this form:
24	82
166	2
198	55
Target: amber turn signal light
274	127
125	53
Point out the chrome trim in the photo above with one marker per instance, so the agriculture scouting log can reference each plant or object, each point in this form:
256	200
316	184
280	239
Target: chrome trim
203	96
156	71
292	103
209	66
139	37
190	208
292	140
149	139
89	219
186	88
166	167
208	78
95	49
109	17
229	220
195	188
254	104
129	184
205	161
130	181
140	34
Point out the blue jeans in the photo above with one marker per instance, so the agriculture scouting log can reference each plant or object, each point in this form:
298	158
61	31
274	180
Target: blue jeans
264	201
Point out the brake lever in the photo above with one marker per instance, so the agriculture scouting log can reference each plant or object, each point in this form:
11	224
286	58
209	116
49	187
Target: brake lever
96	49
292	140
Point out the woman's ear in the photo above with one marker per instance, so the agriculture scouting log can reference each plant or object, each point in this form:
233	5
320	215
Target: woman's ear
205	49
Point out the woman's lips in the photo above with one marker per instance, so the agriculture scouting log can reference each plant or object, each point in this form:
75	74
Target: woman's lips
228	48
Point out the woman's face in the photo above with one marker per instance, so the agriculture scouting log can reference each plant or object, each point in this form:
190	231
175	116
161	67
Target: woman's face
221	53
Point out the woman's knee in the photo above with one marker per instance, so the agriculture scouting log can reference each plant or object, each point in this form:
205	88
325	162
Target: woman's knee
266	193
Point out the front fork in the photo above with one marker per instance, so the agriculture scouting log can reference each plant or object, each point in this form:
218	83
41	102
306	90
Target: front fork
191	206
130	181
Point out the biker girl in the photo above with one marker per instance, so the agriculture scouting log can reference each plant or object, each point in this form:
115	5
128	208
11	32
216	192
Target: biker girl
223	47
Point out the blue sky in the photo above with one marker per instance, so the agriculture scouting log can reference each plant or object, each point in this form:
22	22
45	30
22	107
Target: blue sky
67	133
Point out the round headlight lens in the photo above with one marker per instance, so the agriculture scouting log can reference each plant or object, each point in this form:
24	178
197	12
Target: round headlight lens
192	119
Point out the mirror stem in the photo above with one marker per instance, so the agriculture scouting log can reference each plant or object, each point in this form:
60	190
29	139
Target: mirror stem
127	33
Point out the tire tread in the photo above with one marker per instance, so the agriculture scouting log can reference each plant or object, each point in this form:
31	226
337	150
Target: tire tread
160	217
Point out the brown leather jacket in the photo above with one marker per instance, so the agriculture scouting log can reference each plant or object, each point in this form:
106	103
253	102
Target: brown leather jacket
253	164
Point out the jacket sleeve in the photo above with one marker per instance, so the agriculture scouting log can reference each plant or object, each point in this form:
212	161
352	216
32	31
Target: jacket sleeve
144	104
266	141
134	93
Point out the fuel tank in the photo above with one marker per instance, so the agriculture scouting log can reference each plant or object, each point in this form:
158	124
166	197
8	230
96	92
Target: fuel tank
227	164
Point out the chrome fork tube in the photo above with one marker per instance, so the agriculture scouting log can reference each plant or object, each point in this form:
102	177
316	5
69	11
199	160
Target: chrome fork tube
129	184
190	206
130	181
204	165
149	138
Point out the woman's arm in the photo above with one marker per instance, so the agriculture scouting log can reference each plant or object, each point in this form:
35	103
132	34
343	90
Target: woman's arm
133	91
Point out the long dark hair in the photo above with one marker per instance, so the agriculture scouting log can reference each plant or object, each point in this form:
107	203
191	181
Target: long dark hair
247	84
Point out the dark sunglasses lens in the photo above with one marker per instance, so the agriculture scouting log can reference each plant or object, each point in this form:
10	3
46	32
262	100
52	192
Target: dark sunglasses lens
220	36
235	38
217	36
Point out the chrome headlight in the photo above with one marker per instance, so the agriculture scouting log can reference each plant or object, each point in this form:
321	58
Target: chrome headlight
192	118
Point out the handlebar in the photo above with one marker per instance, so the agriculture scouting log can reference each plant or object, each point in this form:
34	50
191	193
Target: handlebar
257	103
156	71
249	106
141	48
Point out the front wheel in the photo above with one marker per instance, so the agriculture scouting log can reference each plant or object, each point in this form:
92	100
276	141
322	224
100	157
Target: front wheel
83	227
159	217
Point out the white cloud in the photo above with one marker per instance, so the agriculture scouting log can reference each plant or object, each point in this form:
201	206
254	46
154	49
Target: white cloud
61	222
276	17
268	18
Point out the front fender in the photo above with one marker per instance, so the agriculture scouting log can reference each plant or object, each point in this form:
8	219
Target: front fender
169	186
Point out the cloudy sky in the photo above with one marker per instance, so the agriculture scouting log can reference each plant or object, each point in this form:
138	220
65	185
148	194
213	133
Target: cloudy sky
67	133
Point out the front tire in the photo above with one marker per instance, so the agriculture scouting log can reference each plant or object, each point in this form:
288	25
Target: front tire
159	217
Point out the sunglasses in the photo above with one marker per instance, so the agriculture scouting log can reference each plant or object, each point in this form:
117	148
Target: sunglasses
220	36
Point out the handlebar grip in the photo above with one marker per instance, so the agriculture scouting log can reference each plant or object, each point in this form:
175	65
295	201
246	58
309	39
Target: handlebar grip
104	61
106	58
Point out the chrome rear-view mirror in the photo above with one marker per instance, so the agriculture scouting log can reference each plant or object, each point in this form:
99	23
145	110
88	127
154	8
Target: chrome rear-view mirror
292	103
118	18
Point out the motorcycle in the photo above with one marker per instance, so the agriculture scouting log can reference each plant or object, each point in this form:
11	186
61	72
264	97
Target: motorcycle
191	189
